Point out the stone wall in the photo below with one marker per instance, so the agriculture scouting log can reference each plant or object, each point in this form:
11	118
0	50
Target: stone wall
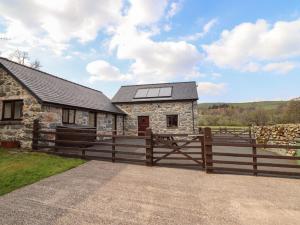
21	131
105	122
157	113
278	134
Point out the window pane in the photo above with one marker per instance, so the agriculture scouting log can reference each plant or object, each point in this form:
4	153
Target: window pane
65	116
165	92
18	110
141	93
92	119
172	121
153	92
7	110
71	116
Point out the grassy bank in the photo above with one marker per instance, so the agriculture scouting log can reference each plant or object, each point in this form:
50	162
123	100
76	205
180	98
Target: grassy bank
18	169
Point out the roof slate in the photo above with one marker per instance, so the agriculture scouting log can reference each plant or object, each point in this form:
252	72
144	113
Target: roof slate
51	89
180	91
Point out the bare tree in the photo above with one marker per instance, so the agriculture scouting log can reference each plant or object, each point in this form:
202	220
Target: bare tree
36	64
19	56
22	57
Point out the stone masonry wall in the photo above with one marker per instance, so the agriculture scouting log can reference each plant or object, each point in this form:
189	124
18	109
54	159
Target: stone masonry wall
278	134
21	131
157	113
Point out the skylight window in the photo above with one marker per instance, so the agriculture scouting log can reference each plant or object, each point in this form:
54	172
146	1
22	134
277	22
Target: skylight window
153	92
141	93
165	92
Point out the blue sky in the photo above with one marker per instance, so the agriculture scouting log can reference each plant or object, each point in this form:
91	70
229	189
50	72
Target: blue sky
235	50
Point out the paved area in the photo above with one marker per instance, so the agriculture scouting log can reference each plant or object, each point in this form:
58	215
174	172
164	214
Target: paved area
106	193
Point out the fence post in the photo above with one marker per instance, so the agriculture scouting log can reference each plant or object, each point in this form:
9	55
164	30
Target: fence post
201	139
208	150
254	156
149	148
113	147
35	134
250	132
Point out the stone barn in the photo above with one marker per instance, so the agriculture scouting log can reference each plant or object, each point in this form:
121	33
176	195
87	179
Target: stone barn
166	108
27	94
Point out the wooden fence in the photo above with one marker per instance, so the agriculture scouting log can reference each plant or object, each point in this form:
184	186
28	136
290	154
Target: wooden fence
87	145
234	161
150	149
203	150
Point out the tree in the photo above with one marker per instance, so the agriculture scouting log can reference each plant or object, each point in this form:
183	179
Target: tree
19	56
23	58
292	113
36	64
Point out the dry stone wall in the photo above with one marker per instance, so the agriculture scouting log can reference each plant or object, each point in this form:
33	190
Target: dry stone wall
278	134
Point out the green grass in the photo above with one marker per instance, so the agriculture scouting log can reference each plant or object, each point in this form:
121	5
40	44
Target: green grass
18	169
298	153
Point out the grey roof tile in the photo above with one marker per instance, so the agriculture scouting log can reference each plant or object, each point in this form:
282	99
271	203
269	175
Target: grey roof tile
180	91
51	89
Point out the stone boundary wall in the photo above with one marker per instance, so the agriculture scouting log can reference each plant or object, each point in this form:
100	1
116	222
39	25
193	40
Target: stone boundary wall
278	134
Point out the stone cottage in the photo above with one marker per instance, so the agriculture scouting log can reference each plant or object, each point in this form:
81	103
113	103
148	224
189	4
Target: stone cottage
27	94
166	108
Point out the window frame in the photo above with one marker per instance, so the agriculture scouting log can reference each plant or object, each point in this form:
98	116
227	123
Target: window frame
62	116
95	118
13	103
172	115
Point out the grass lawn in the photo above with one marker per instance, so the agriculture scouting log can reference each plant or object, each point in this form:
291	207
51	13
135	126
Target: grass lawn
18	169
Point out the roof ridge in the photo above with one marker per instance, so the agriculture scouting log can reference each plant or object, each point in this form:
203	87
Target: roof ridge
51	75
181	82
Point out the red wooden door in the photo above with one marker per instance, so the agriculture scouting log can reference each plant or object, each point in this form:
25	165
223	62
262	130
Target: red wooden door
143	124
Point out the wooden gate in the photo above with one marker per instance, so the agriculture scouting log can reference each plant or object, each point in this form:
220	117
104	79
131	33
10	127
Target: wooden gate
178	150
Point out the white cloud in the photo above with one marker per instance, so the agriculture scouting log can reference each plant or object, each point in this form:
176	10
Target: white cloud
102	70
130	26
159	60
248	45
52	24
207	27
175	7
209	88
146	12
281	67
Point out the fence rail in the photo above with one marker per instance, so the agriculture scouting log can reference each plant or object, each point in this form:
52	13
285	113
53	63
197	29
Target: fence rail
203	150
231	161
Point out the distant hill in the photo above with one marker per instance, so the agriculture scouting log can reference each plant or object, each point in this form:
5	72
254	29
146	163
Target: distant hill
263	105
296	99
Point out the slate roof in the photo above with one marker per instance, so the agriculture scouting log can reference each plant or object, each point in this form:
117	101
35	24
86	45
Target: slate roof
180	91
54	90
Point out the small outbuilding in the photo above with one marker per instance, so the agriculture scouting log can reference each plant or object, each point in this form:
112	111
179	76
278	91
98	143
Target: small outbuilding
165	107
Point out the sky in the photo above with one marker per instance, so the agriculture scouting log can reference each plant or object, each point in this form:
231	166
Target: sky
236	51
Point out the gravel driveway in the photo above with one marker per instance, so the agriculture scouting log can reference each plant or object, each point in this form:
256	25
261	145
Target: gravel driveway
113	193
